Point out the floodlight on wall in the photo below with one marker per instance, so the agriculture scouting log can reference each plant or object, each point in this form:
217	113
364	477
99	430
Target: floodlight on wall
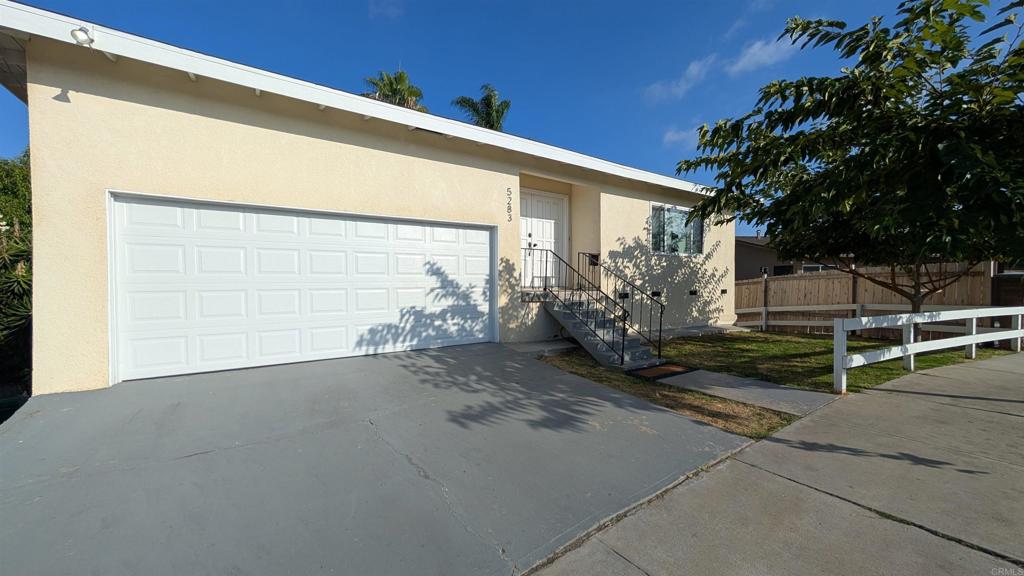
82	36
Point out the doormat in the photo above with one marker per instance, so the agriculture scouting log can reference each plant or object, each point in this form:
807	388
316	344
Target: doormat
663	371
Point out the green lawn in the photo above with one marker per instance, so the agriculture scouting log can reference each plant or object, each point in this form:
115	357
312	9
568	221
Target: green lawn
797	360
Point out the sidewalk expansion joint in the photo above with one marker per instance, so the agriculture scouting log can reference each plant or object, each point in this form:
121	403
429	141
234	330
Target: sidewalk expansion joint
894	518
621	555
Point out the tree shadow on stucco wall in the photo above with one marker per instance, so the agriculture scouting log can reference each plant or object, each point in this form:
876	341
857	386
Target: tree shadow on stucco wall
505	386
520	320
691	286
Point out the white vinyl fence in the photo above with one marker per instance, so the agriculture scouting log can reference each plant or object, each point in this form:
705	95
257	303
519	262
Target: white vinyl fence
842	361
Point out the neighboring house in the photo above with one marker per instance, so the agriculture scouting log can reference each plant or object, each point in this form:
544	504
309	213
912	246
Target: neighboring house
754	257
1007	283
192	214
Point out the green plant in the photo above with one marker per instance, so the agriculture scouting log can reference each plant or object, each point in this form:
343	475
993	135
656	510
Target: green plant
487	112
15	271
911	158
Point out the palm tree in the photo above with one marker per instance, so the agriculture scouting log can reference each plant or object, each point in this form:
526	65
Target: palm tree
395	89
487	112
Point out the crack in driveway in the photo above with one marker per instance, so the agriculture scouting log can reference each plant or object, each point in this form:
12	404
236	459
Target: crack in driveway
453	511
331	491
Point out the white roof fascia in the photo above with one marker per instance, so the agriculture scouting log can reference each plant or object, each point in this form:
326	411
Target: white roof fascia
38	22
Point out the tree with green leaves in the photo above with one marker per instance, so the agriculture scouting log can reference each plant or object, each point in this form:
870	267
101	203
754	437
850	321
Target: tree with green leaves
487	112
911	158
15	270
395	89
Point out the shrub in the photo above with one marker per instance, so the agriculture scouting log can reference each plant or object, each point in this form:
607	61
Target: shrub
15	274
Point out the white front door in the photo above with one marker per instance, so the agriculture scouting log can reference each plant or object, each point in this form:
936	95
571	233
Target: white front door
543	231
201	287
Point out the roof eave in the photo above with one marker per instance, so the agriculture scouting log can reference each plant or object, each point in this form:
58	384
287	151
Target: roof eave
38	22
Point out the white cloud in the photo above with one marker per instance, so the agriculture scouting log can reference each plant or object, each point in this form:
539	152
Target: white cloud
736	26
695	72
760	54
390	9
685	139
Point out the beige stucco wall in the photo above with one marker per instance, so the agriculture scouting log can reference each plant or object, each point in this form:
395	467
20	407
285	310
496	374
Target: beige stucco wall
97	125
585	220
584	211
625	244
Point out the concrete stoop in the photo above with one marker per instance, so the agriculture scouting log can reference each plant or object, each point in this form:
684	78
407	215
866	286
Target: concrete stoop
597	332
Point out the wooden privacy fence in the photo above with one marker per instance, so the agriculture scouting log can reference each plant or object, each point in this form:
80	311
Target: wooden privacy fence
810	302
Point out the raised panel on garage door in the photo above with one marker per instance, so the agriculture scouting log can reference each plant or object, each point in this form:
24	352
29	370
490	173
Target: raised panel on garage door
202	287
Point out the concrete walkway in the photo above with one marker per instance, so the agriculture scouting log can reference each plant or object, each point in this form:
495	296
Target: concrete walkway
750	391
924	475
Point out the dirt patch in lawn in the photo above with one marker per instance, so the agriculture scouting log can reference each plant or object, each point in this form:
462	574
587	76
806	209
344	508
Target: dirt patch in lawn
736	417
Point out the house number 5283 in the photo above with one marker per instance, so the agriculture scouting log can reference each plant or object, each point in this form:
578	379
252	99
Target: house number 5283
508	205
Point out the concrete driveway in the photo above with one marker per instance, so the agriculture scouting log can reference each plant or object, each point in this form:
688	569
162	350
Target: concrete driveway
467	460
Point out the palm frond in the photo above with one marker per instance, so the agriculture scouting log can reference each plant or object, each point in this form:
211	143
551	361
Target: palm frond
488	111
395	89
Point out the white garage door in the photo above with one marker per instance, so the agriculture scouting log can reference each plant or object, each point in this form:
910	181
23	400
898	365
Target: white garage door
201	287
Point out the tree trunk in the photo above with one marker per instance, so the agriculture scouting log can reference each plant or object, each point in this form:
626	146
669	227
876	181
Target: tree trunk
916	303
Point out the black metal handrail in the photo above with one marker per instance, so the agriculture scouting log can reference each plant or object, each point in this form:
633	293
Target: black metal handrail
568	285
645	308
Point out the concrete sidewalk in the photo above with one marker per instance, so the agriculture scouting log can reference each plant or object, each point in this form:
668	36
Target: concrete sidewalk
924	475
796	401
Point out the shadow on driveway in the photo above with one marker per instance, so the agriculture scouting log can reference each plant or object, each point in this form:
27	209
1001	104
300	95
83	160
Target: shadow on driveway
464	460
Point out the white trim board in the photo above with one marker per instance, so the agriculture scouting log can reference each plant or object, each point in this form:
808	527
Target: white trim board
240	204
34	21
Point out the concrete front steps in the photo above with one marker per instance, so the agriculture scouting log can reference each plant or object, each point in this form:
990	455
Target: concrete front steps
589	328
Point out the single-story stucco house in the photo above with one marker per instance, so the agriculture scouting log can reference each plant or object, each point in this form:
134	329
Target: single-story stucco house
192	214
754	258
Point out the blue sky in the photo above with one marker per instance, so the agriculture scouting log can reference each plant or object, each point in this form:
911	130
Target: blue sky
624	81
